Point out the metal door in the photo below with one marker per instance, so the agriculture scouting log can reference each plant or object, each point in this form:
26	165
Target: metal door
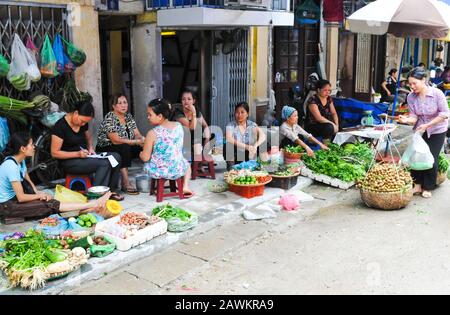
34	21
230	82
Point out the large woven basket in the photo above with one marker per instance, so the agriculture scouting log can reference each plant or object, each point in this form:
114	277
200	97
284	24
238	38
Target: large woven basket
387	201
441	178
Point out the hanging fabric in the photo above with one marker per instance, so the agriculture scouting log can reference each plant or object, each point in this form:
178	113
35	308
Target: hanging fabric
333	11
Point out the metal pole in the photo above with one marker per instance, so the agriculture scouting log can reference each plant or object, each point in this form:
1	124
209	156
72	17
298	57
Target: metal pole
399	79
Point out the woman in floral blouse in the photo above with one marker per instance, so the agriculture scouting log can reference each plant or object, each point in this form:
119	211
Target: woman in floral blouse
118	133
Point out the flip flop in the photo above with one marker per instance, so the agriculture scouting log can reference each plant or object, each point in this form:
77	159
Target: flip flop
130	191
116	197
188	195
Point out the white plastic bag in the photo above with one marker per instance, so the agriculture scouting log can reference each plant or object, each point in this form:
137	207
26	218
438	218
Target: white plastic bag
23	68
418	155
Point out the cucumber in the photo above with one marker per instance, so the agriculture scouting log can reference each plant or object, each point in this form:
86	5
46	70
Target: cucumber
84	242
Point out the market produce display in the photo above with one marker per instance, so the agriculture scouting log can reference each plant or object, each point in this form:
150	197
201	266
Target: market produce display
247	177
339	163
86	220
12	108
128	224
30	261
71	96
443	163
178	219
286	171
294	149
386	178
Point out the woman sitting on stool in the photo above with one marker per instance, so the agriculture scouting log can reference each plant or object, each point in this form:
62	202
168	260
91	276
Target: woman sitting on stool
118	133
19	198
72	145
244	139
163	147
321	117
291	132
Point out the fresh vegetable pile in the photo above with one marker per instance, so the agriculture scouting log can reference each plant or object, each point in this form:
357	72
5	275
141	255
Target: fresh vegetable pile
386	178
178	219
246	177
139	220
294	149
246	180
443	163
86	220
168	211
337	163
287	170
360	153
29	261
13	108
50	221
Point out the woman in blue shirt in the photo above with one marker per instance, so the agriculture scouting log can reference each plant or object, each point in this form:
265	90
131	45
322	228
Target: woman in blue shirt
19	198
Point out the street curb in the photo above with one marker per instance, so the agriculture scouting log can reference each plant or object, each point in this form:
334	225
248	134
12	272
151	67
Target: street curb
98	268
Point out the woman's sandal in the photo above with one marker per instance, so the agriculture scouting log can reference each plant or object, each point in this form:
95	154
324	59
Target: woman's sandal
188	195
116	197
130	191
427	194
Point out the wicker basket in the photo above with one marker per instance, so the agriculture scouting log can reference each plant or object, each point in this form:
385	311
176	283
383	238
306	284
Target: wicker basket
441	178
387	201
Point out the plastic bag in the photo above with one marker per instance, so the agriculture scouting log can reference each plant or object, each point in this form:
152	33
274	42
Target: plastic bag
248	165
76	55
35	60
4	133
4	67
102	250
175	224
53	230
49	67
63	194
63	62
418	155
19	70
50	119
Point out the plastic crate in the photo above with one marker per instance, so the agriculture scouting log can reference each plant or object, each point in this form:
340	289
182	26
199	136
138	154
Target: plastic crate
247	192
283	182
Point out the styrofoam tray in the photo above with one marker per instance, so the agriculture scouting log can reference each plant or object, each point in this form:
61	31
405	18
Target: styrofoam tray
142	236
334	182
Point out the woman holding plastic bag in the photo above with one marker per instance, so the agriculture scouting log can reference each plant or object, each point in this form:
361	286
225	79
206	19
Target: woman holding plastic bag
429	114
19	198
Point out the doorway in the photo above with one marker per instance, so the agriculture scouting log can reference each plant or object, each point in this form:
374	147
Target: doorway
115	52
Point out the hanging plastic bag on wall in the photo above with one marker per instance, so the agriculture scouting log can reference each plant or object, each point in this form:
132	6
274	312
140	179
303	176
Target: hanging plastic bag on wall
4	133
18	74
76	55
4	67
34	51
49	67
62	61
418	155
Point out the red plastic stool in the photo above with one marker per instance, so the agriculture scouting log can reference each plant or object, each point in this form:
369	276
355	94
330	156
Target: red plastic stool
83	179
197	170
176	188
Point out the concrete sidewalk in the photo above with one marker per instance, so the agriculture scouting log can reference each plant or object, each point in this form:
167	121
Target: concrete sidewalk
214	210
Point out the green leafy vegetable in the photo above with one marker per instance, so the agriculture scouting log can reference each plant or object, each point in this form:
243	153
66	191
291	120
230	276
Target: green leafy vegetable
169	211
443	163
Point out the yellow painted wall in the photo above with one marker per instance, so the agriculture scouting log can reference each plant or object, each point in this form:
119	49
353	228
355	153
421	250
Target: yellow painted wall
259	71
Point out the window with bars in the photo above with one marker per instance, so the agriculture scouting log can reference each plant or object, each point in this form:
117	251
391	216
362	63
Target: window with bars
33	21
350	6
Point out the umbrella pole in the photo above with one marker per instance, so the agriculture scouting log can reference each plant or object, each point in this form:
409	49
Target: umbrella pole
399	80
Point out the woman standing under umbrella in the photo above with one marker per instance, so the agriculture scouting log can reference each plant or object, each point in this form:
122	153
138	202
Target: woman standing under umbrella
429	114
